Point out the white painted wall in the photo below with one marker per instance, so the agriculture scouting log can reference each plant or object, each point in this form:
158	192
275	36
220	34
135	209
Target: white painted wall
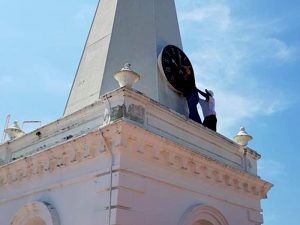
131	31
160	170
152	183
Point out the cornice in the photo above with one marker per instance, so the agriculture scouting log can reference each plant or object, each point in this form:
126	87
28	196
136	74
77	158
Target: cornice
144	145
83	148
161	151
136	108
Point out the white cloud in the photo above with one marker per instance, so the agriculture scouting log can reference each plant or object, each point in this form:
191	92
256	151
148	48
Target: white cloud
213	14
284	51
226	51
234	108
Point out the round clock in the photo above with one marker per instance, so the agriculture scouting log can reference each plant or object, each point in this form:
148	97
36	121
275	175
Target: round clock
177	69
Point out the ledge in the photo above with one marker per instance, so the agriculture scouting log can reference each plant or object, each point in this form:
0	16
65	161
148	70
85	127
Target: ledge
134	107
125	138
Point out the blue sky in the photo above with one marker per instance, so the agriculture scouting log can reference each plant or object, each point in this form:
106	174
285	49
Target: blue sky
247	51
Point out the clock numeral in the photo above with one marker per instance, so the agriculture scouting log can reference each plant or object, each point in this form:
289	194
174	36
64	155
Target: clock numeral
166	60
168	53
173	51
179	52
167	69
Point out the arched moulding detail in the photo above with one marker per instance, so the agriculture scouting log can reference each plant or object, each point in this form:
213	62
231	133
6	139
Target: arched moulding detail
36	213
202	214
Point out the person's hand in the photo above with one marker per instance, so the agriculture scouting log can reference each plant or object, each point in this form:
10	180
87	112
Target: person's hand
207	92
187	69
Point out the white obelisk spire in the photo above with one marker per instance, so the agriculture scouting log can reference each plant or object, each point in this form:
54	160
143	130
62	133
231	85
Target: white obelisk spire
127	31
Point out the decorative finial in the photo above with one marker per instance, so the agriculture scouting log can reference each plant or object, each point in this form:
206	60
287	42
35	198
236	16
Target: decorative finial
127	66
14	131
242	137
126	76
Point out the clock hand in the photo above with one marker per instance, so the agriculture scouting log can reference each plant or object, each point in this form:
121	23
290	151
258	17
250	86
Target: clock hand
173	61
179	56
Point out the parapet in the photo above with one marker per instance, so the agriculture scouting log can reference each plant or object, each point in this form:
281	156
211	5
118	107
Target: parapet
139	110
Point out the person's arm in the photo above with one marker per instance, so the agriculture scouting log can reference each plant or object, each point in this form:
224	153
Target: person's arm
207	92
204	94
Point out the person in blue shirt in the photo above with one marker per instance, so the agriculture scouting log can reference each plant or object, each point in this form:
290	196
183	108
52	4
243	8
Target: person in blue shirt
190	92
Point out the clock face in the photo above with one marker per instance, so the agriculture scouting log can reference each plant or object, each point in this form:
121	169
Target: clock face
177	69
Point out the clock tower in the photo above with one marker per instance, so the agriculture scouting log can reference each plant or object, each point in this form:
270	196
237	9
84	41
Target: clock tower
131	31
119	156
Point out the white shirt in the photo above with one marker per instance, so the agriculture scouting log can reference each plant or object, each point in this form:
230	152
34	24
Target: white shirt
208	108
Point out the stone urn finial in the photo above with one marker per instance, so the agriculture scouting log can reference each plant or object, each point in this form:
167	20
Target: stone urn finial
14	131
126	76
242	137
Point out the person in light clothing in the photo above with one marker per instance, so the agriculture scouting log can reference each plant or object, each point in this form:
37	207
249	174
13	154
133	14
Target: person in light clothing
208	109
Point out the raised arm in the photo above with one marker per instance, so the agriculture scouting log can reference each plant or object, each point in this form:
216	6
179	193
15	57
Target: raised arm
204	94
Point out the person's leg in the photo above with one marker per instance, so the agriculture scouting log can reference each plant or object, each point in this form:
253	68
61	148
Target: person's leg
192	100
210	122
206	121
214	123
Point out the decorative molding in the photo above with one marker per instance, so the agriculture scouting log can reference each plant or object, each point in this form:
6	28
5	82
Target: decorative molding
48	161
182	134
36	213
146	146
159	150
201	213
131	106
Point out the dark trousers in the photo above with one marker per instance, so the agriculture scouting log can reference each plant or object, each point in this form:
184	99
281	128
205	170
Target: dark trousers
210	122
192	100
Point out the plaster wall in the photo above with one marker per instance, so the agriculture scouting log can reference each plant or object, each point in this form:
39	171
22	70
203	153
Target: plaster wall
152	194
77	189
150	185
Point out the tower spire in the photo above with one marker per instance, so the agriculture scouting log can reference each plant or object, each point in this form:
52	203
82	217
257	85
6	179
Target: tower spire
131	31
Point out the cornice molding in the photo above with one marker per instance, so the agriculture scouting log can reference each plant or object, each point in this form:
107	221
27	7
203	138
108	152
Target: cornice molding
161	151
153	148
133	107
40	164
123	136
